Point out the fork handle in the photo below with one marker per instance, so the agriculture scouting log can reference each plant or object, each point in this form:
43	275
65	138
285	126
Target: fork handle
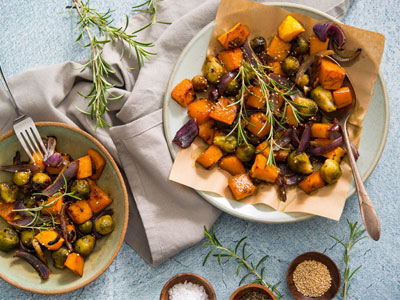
368	214
12	100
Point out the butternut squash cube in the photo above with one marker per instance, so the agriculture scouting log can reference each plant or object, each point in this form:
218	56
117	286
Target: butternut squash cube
342	97
331	75
200	110
276	67
210	156
262	171
97	199
258	124
255	97
80	211
278	48
183	93
235	37
231	59
289	29
224	111
241	186
75	263
46	236
312	182
316	45
232	164
320	130
207	131
336	154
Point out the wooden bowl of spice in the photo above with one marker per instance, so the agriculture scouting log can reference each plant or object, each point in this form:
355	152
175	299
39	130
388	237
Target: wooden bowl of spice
313	276
186	286
252	292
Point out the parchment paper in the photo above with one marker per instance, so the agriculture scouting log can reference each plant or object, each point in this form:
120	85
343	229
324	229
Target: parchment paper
264	20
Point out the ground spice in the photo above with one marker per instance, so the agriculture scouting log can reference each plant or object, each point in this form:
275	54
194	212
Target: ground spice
255	296
312	278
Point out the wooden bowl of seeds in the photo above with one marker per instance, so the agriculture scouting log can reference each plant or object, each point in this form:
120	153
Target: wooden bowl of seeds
313	276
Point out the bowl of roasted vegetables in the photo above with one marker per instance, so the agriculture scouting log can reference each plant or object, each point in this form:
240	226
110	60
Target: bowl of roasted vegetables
64	215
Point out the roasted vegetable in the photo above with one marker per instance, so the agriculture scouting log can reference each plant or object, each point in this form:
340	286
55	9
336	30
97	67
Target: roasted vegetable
50	239
258	44
59	257
331	75
210	156
43	271
316	45
323	98
224	111
200	110
300	45
289	29
228	143
300	163
80	211
235	37
30	201
55	203
330	171
27	238
104	225
232	88
245	152
261	170
183	93
97	199
75	263
231	59
207	131
342	97
8	239
306	106
258	124
85	167
304	81
290	65
278	48
312	182
255	97
185	136
85	245
67	173
40	181
21	178
86	227
98	162
80	188
320	130
232	164
200	83
241	186
213	70
8	192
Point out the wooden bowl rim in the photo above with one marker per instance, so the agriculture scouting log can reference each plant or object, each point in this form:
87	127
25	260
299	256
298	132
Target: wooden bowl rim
170	283
251	285
315	255
125	224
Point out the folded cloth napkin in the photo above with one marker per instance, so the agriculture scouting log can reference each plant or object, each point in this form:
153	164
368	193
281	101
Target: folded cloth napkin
164	217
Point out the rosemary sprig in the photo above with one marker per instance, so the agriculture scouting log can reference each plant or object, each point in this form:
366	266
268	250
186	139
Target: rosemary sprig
356	235
151	8
89	20
36	212
241	257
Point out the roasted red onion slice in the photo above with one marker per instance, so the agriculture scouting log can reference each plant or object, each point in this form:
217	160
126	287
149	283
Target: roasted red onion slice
20	168
249	53
318	151
54	160
225	80
282	188
50	143
339	57
64	223
305	139
308	62
185	136
39	266
213	95
333	30
68	172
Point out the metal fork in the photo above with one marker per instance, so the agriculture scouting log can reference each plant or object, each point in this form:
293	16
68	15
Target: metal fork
25	129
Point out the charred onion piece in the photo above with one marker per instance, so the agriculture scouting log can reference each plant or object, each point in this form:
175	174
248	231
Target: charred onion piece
28	220
24	248
39	266
318	151
19	204
51	143
334	132
185	136
282	80
213	95
282	188
295	138
284	140
294	179
69	171
20	168
56	239
249	53
39	251
305	139
330	29
308	62
225	80
64	223
339	57
54	160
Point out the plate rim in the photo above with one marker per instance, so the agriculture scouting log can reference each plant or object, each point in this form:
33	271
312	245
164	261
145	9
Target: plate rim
124	226
305	216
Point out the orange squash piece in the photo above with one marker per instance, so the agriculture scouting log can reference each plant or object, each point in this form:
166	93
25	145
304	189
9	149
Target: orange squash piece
80	211
241	186
85	167
263	148
316	45
55	209
46	236
200	110
98	163
255	97
97	199
210	156
235	37
312	182
39	162
289	117
278	48
207	131
258	121
224	111
276	67
331	75
183	93
289	29
6	211
57	170
231	59
75	263
320	130
335	154
232	164
262	171
342	97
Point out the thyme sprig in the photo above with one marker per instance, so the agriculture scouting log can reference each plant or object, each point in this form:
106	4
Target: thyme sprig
241	257
36	212
356	235
95	28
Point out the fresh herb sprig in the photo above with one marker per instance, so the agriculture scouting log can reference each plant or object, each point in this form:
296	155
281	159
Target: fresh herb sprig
95	28
241	257
356	235
151	7
36	212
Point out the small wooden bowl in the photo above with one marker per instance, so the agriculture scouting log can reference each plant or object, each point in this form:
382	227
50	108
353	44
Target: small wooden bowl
243	290
190	277
322	258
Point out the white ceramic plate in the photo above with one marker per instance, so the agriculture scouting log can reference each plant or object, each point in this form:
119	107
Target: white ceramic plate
373	138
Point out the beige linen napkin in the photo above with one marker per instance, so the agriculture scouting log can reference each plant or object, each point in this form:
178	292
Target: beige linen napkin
165	217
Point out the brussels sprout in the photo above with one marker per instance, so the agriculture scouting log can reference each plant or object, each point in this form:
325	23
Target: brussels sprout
8	192
80	188
323	98
258	44
300	163
290	65
30	201
40	181
305	80
300	45
308	106
200	83
21	178
226	143
232	88
104	225
59	257
84	246
86	227
8	239
213	70
330	171
27	237
245	152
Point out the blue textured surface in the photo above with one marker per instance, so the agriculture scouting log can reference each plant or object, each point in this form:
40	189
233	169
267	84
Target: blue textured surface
35	33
